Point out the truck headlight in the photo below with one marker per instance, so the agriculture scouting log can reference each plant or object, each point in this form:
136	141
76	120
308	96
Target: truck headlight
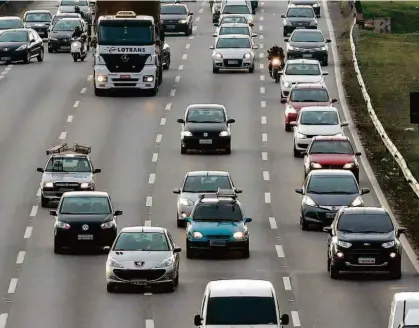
100	60
149	60
101	78
148	78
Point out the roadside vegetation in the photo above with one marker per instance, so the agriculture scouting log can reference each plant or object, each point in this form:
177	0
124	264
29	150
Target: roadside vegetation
390	67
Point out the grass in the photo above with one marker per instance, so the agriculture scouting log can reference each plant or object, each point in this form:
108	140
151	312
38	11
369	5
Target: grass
389	65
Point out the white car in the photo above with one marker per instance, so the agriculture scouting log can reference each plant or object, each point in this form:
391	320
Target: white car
315	121
67	6
233	19
237	9
233	52
300	71
234	28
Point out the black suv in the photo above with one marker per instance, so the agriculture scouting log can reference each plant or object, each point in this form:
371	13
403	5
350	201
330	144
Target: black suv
315	4
299	17
364	239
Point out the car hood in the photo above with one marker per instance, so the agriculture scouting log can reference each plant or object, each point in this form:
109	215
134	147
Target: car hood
339	159
217	227
37	24
366	237
192	196
333	200
67	177
150	259
173	17
323	130
205	127
299	105
300	19
61	34
302	78
236	53
81	218
70	9
307	45
11	45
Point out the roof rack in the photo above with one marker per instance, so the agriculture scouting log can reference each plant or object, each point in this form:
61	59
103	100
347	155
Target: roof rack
58	149
221	193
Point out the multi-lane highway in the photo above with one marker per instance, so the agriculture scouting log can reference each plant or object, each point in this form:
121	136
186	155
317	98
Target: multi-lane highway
135	142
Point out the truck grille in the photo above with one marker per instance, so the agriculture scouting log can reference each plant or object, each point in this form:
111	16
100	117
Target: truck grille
139	274
134	63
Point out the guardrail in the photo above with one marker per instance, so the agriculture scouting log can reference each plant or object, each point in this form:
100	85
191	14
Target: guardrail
378	126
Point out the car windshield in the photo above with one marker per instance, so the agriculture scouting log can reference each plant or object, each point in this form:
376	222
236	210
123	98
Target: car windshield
205	115
7	24
228	43
236	9
302	36
303	69
14	36
234	30
300	12
38	17
74	3
142	241
319	118
68	164
309	95
332	184
207	183
66	25
303	2
125	32
365	223
222	211
331	147
85	205
173	10
234	19
237	311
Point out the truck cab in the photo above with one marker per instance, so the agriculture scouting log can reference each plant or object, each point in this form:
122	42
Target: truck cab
404	311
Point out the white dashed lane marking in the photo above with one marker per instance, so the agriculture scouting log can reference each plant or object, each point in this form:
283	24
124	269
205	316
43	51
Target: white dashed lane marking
262	77
149	201
261	37
261	18
12	285
264	137
155	157
267	197
62	136
201	10
287	283
152	178
83	90
70	119
38	193
3	320
194	29
261	66
168	106
279	251
264	156
295	319
173	93
260	28
149	323
180	67
76	104
28	232
163	121
266	176
191	37
263	120
34	210
185	56
263	104
158	138
188	46
177	79
272	223
261	46
262	90
148	294
197	19
261	55
20	257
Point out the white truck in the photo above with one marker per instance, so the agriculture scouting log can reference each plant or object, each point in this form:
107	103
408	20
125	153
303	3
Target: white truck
404	311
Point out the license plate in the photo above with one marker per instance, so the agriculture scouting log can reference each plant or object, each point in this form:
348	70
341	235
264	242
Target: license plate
139	282
65	47
65	189
205	141
170	27
125	76
300	28
307	55
217	242
5	58
366	260
85	237
330	215
232	62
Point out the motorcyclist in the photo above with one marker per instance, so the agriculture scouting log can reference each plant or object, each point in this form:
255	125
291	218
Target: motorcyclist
79	34
276	51
78	11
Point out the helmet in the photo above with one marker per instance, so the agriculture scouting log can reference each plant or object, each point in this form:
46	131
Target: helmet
77	28
275	47
77	9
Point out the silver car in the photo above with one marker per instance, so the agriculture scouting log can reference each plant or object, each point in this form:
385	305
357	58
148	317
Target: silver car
67	6
315	121
143	256
234	28
199	182
233	52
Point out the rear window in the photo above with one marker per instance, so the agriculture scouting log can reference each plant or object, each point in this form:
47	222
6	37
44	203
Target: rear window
207	183
310	95
236	9
331	147
230	311
332	184
217	212
6	24
234	30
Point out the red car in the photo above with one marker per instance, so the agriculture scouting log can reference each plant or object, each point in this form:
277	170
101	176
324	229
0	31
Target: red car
305	95
331	153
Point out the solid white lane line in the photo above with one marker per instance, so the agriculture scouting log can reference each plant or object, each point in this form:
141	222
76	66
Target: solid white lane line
70	119
173	93
155	157
12	285
158	138
261	18
149	323
201	10
260	28
279	251
262	89
261	36
261	66
262	77
3	320
272	223
185	56
188	46
20	257
89	78
263	120
168	106
180	67
287	283
34	210
261	55
163	121
197	19
38	193
28	232
295	319
147	223
267	197
264	137
194	29
62	136
149	201
263	104
83	90
76	104
264	156
152	178
266	176
177	79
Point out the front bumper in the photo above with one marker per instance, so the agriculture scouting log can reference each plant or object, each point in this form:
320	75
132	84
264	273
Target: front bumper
13	56
69	238
206	244
354	169
125	80
56	193
42	30
318	215
288	29
59	45
206	143
183	212
169	27
307	54
233	63
140	277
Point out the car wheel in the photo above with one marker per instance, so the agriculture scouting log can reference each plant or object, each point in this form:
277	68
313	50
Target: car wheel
169	287
252	69
153	92
44	201
215	70
167	65
111	287
228	149
50	50
246	253
190	253
287	127
40	57
176	280
180	224
328	263
333	271
57	247
27	60
296	152
303	224
396	271
183	150
325	61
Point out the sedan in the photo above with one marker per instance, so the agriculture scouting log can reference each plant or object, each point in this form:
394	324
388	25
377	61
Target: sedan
205	126
324	193
315	121
315	4
300	71
176	18
61	34
299	17
237	9
143	256
84	219
21	45
308	44
233	52
38	20
234	28
196	183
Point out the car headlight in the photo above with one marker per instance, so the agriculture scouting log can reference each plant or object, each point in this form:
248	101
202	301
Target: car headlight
324	48
165	263
287	84
48	185
348	165
62	225
344	244
224	134
389	244
357	202
113	263
52	38
315	165
197	234
218	55
185	202
301	136
186	134
183	21
86	185
313	23
239	235
108	225
22	47
308	201
291	47
247	56
287	23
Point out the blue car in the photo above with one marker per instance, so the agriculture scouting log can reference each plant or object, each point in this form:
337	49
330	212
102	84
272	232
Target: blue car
217	223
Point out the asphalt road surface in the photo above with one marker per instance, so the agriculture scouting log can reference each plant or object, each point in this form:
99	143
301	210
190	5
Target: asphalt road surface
135	141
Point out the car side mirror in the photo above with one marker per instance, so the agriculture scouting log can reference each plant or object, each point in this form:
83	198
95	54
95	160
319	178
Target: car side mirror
365	191
325	73
282	16
190	14
238	190
212	47
286	39
177	250
299	191
214	35
181	120
400	231
39	169
358	153
328	230
118	213
197	320
97	171
231	121
187	219
283	101
344	124
285	319
176	191
254	35
255	47
328	41
247	220
53	212
293	123
334	100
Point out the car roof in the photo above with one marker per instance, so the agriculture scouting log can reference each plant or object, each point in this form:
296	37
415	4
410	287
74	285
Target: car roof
38	11
330	138
204	173
199	106
303	61
333	172
318	108
406	296
10	17
235	25
309	86
240	287
365	210
233	36
299	6
86	193
143	229
70	19
174	5
17	29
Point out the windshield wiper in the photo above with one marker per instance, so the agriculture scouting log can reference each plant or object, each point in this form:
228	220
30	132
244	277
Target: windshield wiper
338	192
210	122
193	122
371	231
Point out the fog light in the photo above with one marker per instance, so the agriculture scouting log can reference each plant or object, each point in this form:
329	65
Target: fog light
393	255
102	78
148	78
339	254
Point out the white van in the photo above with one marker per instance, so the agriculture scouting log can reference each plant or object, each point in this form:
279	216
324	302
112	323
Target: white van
240	303
404	310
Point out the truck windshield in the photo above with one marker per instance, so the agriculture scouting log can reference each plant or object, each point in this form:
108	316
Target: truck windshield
128	33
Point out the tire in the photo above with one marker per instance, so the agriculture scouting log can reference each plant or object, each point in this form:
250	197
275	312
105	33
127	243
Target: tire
287	127
246	253
40	57
153	92
228	149
396	272
44	202
325	61
183	150
75	57
303	224
187	32
50	50
169	287
167	65
215	70
297	154
333	271
160	78
57	247
111	287
190	254
252	69
277	78
180	224
176	280
27	60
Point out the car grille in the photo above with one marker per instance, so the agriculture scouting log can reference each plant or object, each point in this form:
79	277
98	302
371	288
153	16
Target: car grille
239	63
139	274
218	237
170	21
93	227
301	24
332	167
134	64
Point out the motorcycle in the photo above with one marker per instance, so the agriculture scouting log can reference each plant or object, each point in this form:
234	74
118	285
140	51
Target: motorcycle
78	50
276	67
